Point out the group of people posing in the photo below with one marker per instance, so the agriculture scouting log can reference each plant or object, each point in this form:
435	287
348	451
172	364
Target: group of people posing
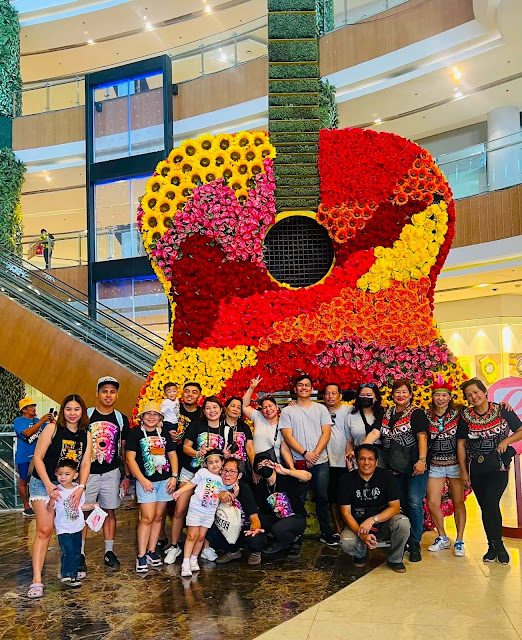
234	487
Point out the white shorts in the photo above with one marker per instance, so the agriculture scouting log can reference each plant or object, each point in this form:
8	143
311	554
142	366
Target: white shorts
104	488
451	471
196	518
185	475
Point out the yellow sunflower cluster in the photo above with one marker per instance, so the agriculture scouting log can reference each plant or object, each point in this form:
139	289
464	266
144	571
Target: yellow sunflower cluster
236	157
210	367
413	255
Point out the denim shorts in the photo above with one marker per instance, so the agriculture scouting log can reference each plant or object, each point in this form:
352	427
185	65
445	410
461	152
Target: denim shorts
453	471
159	494
37	490
186	475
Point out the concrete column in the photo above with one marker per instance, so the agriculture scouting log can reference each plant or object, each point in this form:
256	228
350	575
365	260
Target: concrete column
503	148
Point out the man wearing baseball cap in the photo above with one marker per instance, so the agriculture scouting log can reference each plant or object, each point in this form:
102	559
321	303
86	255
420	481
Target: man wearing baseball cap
27	427
109	429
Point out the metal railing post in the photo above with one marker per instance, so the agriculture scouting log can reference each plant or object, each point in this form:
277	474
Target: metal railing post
77	91
202	47
47	94
235	49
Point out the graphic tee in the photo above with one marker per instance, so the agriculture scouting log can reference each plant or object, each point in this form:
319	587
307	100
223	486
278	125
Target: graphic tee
152	453
368	498
25	446
205	498
170	410
282	498
200	435
65	444
106	438
238	435
185	420
68	519
484	432
442	438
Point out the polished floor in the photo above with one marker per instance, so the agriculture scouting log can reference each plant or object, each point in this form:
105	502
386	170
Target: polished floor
222	602
442	597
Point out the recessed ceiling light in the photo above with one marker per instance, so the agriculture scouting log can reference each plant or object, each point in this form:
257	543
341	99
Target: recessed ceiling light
456	74
458	94
208	9
144	17
90	41
481	286
48	178
377	121
148	26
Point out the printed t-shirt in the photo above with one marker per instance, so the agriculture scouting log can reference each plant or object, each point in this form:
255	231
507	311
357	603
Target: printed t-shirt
185	419
442	444
403	427
484	432
238	435
287	503
106	437
306	423
336	447
68	519
170	410
368	498
149	448
202	434
65	444
205	498
25	446
265	433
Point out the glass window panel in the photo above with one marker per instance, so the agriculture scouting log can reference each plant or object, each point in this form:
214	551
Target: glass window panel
111	122
146	115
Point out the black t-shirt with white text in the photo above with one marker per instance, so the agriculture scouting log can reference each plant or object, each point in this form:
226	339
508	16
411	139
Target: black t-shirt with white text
368	498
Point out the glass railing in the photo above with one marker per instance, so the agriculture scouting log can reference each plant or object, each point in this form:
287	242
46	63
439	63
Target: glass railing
101	327
346	12
9	498
484	167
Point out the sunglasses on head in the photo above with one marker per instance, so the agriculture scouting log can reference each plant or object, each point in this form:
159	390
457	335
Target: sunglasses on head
370	385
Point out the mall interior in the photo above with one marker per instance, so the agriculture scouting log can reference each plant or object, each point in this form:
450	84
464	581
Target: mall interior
108	88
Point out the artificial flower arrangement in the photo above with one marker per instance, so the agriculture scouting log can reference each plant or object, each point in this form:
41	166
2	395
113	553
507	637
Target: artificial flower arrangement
390	214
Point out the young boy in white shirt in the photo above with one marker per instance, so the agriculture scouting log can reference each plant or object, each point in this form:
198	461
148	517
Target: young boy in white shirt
170	408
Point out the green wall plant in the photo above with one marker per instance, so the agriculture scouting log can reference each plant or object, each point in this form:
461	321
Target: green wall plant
329	114
10	78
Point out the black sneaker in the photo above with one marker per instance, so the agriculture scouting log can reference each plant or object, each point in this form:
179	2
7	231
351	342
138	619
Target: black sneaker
502	554
360	562
153	559
415	552
83	565
28	513
111	560
491	554
295	549
162	544
398	567
330	540
274	548
141	564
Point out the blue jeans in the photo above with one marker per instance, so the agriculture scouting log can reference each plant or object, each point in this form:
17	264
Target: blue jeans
71	546
320	479
413	491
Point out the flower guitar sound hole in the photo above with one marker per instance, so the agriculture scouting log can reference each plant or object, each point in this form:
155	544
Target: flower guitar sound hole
298	251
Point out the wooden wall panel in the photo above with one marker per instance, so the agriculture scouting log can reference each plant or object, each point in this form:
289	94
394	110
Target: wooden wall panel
76	277
389	31
54	362
46	129
488	217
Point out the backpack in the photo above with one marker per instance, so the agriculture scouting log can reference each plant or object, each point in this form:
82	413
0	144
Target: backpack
119	417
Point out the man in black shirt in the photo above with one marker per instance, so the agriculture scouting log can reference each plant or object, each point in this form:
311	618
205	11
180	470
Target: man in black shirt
370	506
109	429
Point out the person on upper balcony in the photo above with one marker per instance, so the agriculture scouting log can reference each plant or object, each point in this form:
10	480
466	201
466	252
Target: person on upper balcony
46	240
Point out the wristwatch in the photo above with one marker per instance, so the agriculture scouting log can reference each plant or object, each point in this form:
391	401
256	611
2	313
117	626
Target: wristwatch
304	453
82	486
128	477
422	460
376	519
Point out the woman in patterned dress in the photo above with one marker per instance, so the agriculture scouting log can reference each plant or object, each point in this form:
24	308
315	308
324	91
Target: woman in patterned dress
443	419
484	441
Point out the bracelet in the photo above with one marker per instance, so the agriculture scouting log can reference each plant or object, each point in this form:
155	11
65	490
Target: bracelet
304	453
422	460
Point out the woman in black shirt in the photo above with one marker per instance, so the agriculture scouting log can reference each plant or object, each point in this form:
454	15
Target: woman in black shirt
484	442
237	434
68	438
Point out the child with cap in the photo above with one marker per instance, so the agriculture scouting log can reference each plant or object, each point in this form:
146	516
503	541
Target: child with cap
153	462
207	486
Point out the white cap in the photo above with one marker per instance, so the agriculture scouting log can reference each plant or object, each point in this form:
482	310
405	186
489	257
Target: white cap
107	380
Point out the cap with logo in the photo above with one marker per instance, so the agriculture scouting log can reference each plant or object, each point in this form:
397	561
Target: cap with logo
26	402
107	380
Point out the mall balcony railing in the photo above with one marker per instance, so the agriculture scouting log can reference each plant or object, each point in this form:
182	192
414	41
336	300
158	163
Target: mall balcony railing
203	57
102	328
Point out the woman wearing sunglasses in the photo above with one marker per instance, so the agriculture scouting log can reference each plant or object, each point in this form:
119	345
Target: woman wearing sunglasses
443	420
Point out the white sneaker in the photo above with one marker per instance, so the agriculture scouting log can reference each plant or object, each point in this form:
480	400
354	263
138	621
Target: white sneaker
440	544
458	549
209	554
172	554
194	566
186	571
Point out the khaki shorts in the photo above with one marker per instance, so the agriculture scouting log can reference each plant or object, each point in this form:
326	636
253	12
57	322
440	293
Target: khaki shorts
104	488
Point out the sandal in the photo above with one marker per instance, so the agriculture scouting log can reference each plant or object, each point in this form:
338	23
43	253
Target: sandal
35	590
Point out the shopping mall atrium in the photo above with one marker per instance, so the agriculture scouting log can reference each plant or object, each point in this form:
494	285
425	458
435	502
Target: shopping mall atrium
214	190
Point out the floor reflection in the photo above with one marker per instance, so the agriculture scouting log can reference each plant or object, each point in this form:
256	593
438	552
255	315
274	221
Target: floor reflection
230	601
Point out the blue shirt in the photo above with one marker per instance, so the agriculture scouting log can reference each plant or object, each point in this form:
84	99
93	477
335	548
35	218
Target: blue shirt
25	446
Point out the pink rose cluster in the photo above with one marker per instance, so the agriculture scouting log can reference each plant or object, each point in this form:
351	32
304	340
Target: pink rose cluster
214	211
386	363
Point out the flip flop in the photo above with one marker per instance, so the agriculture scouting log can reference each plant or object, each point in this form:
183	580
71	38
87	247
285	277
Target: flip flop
35	590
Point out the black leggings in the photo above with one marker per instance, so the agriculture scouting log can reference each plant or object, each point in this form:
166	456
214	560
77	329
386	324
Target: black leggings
489	488
284	530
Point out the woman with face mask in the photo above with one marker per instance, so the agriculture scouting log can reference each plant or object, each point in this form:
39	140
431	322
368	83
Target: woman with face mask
364	418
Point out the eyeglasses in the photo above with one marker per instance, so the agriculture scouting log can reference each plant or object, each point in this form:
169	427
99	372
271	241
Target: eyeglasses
229	471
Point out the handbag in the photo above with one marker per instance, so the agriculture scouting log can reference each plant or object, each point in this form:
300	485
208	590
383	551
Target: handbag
270	453
492	461
228	521
401	459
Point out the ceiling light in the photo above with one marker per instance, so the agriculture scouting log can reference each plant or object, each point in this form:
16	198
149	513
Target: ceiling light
481	286
48	178
377	121
456	74
148	26
90	41
458	94
144	17
208	9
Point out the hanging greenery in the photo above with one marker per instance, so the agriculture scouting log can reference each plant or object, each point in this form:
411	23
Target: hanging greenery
325	16
329	114
11	180
10	78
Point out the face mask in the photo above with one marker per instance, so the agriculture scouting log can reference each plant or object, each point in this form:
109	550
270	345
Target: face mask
229	486
265	472
366	402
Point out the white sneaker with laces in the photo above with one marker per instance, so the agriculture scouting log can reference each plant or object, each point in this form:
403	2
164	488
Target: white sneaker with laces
194	566
186	571
458	549
440	544
209	554
172	554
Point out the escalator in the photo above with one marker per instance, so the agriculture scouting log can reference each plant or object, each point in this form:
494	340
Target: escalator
58	340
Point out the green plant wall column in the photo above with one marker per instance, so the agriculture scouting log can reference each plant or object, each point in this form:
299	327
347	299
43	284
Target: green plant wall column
293	101
10	78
